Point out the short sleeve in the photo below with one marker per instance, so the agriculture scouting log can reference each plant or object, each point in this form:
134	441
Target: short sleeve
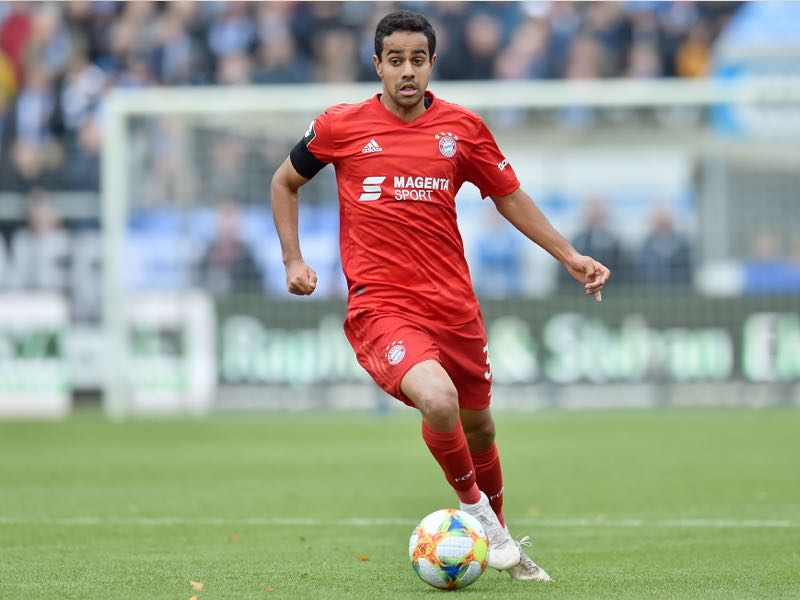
488	169
319	138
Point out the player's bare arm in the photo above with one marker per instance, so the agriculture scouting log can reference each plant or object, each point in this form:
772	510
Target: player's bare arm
521	211
300	278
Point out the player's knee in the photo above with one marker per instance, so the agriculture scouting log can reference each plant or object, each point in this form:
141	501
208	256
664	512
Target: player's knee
439	405
481	436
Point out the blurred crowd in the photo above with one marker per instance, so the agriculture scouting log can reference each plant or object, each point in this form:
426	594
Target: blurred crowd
661	260
58	60
231	249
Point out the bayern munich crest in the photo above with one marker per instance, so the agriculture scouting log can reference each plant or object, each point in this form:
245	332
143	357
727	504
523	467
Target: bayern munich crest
395	352
447	143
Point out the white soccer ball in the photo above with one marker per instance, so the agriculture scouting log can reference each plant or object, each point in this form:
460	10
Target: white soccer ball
448	549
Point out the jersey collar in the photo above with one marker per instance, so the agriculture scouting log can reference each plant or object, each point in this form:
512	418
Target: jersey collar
430	99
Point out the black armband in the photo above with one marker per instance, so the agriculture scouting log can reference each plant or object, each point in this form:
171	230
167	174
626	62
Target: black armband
304	162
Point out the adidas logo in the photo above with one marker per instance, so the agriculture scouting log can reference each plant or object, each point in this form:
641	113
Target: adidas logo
372	146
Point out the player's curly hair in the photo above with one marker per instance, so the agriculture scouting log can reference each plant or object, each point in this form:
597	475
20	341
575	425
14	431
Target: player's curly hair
404	20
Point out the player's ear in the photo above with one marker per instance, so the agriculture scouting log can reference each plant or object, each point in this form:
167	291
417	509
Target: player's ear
433	59
378	68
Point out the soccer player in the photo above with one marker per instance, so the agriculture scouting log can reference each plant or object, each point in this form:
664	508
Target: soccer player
412	316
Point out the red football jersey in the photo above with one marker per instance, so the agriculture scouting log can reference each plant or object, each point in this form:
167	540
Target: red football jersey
399	240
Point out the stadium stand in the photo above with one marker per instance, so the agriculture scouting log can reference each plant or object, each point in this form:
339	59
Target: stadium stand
58	61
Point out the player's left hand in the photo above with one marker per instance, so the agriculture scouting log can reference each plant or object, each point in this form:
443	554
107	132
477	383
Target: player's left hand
589	272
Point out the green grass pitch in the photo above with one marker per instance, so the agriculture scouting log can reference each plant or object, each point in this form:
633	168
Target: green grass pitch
682	504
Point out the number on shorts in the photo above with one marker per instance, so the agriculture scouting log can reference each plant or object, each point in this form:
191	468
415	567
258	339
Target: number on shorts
488	373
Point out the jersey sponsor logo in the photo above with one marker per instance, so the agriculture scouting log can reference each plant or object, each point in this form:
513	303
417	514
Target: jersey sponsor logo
310	134
372	188
502	164
372	146
406	187
447	143
418	188
395	352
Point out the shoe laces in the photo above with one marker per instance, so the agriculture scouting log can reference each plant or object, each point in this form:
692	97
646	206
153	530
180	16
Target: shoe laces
525	541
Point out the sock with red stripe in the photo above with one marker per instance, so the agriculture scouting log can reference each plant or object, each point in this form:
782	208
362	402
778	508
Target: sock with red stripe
450	450
489	477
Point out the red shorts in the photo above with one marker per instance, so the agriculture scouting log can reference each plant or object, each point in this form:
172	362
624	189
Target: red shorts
387	345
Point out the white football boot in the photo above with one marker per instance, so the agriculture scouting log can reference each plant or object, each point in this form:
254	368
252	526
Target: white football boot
504	552
526	569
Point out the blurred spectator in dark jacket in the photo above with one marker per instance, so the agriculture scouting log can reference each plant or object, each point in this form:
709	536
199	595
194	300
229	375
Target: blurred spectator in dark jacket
336	56
278	61
136	72
587	59
477	52
81	94
233	30
644	62
449	21
234	69
228	265
605	23
525	57
91	25
49	44
30	130
176	54
281	42
598	241
665	257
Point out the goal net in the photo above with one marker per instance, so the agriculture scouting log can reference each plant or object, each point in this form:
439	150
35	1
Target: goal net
687	190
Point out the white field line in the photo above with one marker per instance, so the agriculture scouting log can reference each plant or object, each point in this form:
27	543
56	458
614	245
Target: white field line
381	522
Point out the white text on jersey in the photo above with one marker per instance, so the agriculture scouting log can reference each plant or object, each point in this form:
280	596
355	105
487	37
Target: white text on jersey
405	188
418	188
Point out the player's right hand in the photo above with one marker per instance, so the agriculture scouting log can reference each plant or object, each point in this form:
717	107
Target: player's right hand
300	278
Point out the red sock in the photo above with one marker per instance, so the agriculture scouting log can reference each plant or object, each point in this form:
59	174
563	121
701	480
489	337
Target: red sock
489	477
450	450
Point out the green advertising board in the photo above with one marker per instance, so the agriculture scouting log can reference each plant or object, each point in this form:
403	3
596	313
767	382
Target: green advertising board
569	339
34	375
